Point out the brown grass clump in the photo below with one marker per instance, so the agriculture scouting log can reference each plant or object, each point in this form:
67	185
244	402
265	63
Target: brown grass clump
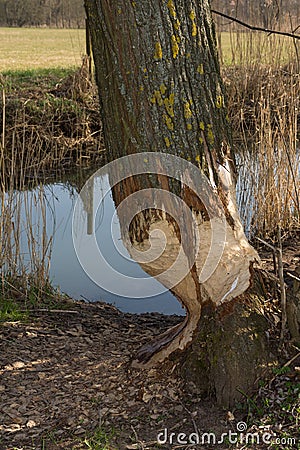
264	106
52	124
49	124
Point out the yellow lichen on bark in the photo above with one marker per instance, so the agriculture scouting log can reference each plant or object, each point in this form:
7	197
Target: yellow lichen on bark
169	104
162	89
193	20
176	24
175	46
167	141
187	110
158	54
169	123
157	98
220	101
172	10
200	69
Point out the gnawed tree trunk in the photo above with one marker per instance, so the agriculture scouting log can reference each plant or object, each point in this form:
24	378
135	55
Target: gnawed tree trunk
160	91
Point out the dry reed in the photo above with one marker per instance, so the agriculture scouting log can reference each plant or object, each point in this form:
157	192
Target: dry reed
264	106
50	128
42	131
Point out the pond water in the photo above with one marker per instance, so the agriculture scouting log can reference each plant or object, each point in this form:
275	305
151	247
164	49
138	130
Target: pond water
58	202
44	215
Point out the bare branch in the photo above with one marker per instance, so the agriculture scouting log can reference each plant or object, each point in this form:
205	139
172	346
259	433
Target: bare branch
253	28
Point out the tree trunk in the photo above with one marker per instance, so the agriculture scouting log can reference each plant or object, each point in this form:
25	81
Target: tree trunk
160	91
293	308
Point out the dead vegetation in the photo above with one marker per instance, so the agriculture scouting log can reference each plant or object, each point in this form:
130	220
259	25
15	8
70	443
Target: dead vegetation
67	383
49	123
264	107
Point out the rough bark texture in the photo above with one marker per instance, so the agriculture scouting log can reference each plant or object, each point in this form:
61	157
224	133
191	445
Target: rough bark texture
293	309
159	60
231	352
160	91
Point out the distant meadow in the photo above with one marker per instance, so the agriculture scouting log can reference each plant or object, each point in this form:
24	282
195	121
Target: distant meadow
33	48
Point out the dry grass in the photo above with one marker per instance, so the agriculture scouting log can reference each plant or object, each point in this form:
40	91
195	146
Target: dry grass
244	48
23	48
48	123
264	106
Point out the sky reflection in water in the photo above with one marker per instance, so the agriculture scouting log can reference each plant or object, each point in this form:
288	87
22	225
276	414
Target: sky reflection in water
66	271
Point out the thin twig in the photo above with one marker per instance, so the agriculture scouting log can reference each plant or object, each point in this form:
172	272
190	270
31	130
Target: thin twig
274	250
68	311
13	287
138	442
288	363
267	244
293	276
282	286
254	28
278	253
188	411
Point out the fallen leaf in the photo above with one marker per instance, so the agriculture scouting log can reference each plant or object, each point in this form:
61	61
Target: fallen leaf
30	424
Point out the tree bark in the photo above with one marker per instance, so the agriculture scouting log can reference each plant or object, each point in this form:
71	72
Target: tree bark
293	308
161	91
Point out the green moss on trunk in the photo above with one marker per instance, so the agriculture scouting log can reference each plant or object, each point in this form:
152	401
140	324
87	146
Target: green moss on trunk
231	352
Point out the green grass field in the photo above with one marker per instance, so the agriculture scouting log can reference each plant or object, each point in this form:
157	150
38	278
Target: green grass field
36	48
24	48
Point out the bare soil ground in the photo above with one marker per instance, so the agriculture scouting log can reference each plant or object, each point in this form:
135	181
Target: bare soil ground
63	374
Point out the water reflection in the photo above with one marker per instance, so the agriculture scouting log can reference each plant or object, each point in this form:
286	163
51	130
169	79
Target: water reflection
268	188
65	270
39	223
